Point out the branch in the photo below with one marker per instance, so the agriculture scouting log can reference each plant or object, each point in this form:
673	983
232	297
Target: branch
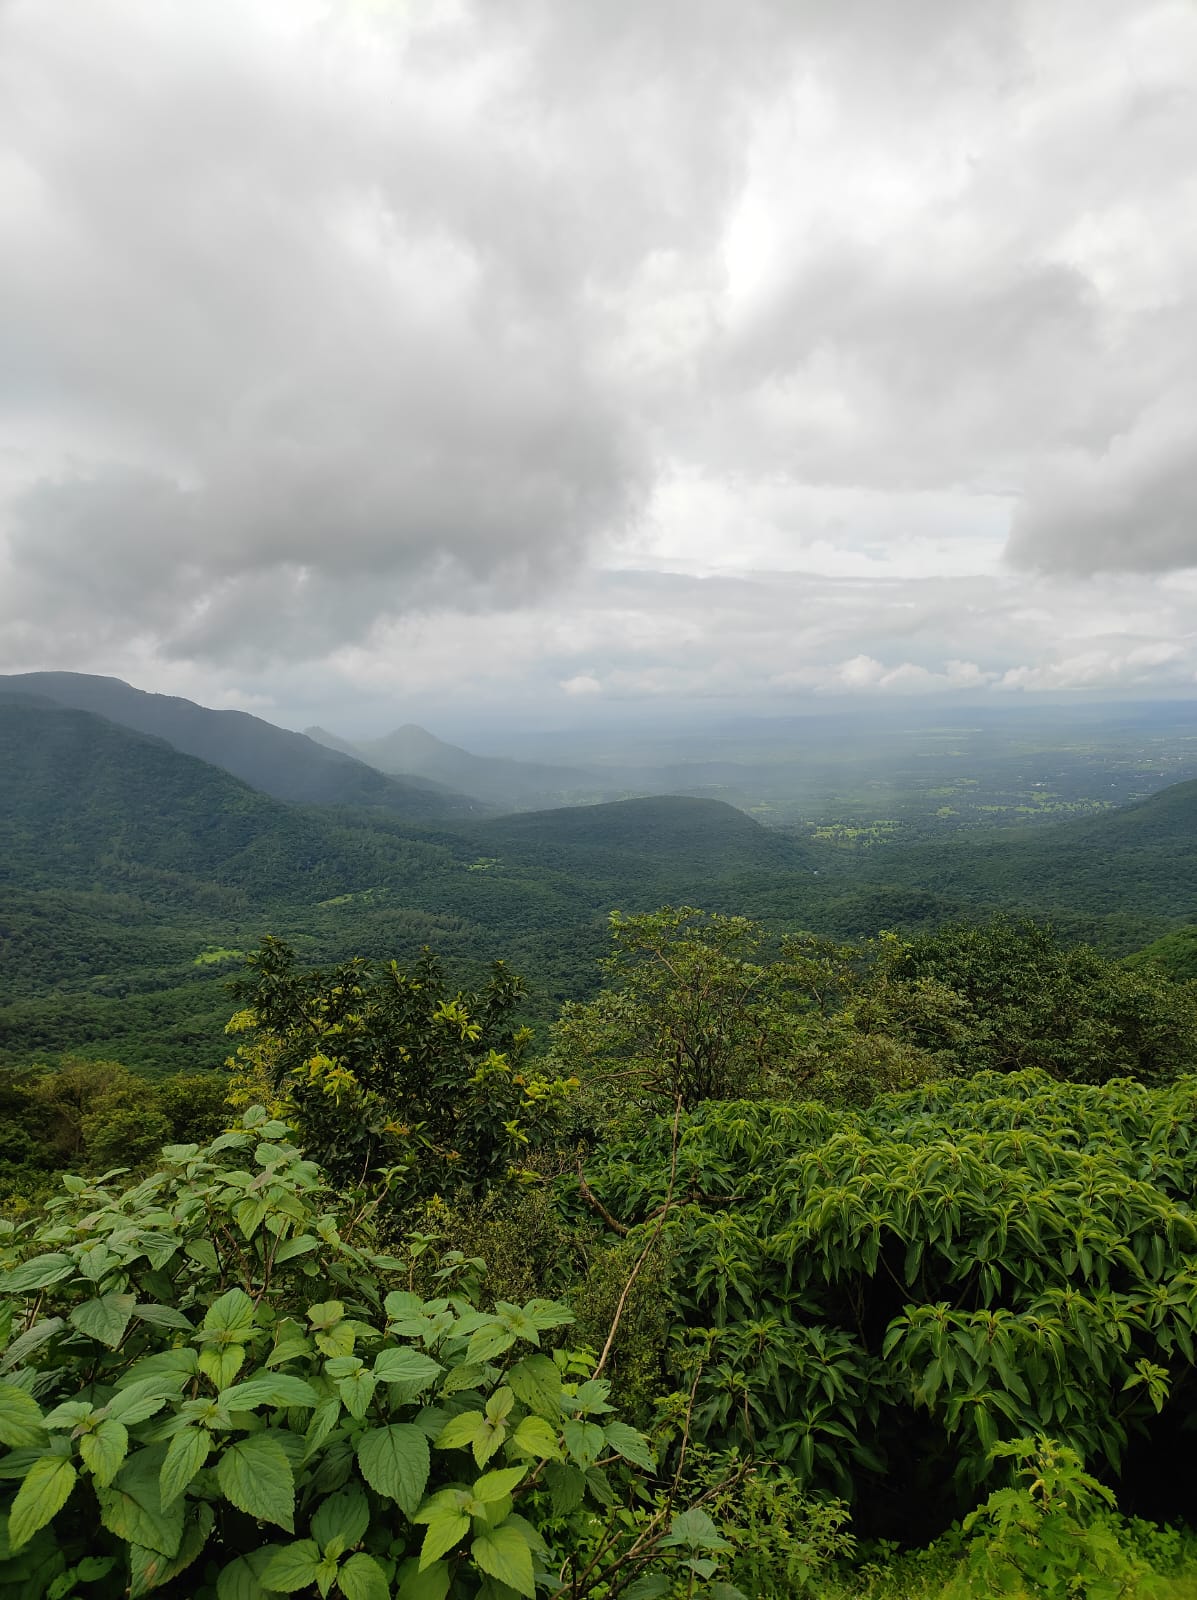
644	1254
596	1205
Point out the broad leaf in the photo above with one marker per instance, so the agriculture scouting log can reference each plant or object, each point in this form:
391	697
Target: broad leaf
347	1514
629	1444
39	1273
132	1508
269	1389
494	1485
537	1384
429	1583
233	1314
505	1554
292	1567
43	1493
104	1450
161	1316
361	1578
446	1528
534	1437
185	1455
242	1579
413	1370
151	1570
20	1417
256	1476
143	1398
105	1318
395	1462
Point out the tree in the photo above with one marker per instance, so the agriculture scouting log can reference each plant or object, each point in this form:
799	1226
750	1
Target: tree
390	1072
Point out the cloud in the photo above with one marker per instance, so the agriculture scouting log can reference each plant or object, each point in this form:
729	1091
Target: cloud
511	351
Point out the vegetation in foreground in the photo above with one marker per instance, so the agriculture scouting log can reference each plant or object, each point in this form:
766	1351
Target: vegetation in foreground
787	1268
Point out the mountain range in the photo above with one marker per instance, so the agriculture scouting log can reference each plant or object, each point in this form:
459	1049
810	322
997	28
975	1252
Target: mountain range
135	870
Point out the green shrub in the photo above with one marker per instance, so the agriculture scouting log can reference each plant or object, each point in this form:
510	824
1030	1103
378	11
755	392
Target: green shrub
209	1389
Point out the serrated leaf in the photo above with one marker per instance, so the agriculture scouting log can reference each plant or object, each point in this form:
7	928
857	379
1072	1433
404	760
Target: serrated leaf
629	1444
584	1441
461	1430
232	1313
242	1579
357	1391
548	1314
104	1449
269	1389
494	1485
44	1491
292	1567
132	1508
446	1529
299	1246
142	1399
651	1587
20	1417
185	1455
149	1570
489	1342
222	1363
171	1367
361	1578
38	1273
29	1341
537	1384
324	1420
534	1437
430	1584
694	1530
105	1318
411	1369
256	1476
505	1554
162	1316
395	1462
567	1487
346	1513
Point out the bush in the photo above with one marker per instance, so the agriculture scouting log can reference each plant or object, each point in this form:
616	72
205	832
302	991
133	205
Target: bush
209	1389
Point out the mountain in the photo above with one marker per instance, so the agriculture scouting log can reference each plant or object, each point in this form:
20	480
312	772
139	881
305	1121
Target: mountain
289	766
1140	860
87	803
519	785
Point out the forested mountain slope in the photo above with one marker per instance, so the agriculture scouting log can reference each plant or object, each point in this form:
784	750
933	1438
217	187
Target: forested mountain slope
1138	860
287	765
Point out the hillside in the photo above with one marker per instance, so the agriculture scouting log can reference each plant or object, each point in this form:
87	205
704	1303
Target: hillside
519	785
289	766
1140	860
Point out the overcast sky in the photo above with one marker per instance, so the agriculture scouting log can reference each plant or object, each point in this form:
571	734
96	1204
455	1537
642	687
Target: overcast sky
384	360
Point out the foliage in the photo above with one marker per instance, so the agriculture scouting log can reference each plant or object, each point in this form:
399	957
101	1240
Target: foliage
207	1390
1024	999
389	1070
1057	1535
875	1299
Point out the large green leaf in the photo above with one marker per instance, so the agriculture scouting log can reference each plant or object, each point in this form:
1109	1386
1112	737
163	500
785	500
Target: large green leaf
493	1486
292	1567
361	1578
537	1383
185	1455
505	1554
428	1583
269	1389
447	1527
104	1449
232	1314
144	1398
410	1369
346	1513
20	1417
395	1462
44	1491
149	1569
132	1507
105	1318
632	1446
256	1476
39	1273
534	1437
242	1578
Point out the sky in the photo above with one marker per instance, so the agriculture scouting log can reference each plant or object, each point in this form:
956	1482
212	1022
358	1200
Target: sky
372	361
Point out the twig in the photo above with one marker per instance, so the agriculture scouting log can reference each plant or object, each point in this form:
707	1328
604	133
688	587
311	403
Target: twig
596	1205
644	1254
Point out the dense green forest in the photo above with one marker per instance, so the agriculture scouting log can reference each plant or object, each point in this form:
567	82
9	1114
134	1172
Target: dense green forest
441	1206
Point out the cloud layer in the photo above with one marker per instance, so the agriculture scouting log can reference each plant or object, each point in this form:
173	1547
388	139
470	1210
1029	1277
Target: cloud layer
782	349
